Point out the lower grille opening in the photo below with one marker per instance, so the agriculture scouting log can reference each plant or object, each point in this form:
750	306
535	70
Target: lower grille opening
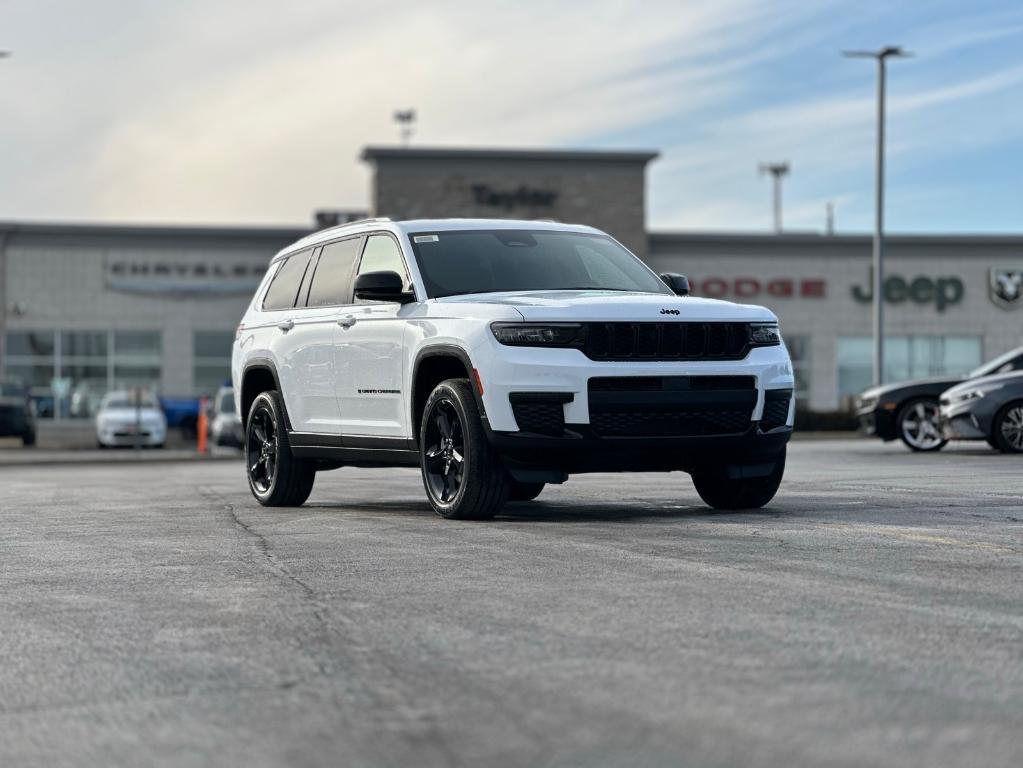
540	412
671	406
776	408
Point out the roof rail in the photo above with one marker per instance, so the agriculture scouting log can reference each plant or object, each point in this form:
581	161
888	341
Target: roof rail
358	221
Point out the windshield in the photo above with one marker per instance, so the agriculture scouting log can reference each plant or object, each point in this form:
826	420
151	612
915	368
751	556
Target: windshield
1010	361
487	261
226	403
127	400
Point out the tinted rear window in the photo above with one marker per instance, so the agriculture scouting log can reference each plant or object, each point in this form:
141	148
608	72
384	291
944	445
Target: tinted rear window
284	288
333	278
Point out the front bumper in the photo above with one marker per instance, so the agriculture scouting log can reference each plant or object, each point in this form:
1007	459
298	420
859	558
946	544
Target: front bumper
963	421
127	436
534	458
877	421
505	370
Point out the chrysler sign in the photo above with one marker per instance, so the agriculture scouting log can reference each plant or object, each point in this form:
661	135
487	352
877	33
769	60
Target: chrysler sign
164	276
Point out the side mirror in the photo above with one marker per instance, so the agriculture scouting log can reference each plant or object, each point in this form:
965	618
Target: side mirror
678	283
381	286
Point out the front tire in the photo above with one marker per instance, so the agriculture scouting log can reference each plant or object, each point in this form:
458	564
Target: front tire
918	425
463	476
721	492
28	439
1007	428
276	477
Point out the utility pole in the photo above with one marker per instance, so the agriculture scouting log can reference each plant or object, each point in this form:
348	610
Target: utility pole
406	119
777	171
881	56
829	218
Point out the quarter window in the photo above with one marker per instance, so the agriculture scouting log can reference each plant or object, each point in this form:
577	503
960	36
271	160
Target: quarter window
284	289
333	278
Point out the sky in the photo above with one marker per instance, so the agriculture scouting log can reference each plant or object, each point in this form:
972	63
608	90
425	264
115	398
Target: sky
254	112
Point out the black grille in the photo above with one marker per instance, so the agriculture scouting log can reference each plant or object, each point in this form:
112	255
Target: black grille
540	417
776	408
671	406
666	341
670	383
684	422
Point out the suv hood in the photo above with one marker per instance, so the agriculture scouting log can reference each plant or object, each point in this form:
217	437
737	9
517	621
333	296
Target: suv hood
614	305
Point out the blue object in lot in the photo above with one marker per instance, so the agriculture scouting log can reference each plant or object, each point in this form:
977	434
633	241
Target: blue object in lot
181	412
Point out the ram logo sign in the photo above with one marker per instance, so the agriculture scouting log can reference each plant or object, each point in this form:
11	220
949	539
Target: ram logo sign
1006	286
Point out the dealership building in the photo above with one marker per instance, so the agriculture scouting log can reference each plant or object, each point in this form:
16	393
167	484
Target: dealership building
87	308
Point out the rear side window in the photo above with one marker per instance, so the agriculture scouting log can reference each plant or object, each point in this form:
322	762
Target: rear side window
284	289
332	281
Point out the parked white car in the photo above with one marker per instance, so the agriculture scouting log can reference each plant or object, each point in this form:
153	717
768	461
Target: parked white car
499	356
130	418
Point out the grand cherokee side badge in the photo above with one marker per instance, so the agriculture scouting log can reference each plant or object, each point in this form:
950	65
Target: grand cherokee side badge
670	312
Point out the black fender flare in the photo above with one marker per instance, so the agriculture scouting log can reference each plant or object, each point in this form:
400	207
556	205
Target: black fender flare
266	364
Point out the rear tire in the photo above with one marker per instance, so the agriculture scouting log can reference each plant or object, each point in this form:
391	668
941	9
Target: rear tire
918	427
28	439
524	491
276	477
463	476
721	492
1007	428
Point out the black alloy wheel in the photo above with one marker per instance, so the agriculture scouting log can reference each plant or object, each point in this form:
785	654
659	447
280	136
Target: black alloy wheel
276	477
261	449
463	476
444	457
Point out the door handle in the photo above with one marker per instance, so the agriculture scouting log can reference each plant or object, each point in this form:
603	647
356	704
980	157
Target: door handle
286	325
347	321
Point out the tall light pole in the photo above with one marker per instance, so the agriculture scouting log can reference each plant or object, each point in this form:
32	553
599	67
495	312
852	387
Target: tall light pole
777	171
881	56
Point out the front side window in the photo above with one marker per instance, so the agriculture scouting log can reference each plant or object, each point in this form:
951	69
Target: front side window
381	255
332	280
487	261
284	289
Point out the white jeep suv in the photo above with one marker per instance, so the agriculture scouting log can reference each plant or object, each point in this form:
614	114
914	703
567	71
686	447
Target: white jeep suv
499	356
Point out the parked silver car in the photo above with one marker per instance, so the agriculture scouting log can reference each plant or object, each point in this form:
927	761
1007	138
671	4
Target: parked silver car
225	424
989	408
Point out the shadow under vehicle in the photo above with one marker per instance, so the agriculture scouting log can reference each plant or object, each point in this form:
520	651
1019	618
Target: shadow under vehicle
989	408
16	416
910	410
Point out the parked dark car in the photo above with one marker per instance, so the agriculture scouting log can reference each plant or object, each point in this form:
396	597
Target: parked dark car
16	417
989	408
910	410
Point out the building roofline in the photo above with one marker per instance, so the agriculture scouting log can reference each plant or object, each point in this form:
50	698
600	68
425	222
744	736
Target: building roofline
150	230
371	154
819	238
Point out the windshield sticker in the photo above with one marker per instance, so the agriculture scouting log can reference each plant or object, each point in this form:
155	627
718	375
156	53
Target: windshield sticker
426	238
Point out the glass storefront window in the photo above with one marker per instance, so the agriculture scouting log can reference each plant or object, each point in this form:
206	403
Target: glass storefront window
69	371
211	361
906	357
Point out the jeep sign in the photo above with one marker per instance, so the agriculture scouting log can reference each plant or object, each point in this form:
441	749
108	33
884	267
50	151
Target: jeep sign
942	292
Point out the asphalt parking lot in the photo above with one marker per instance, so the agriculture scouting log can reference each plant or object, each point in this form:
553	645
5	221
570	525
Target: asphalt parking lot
872	615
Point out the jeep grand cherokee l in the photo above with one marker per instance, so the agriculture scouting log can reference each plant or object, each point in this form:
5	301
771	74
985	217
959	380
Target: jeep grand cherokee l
499	356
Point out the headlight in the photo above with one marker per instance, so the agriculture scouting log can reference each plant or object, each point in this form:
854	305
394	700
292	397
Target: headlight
546	335
972	394
764	335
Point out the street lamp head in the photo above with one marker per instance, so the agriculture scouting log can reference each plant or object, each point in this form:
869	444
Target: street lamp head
889	51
